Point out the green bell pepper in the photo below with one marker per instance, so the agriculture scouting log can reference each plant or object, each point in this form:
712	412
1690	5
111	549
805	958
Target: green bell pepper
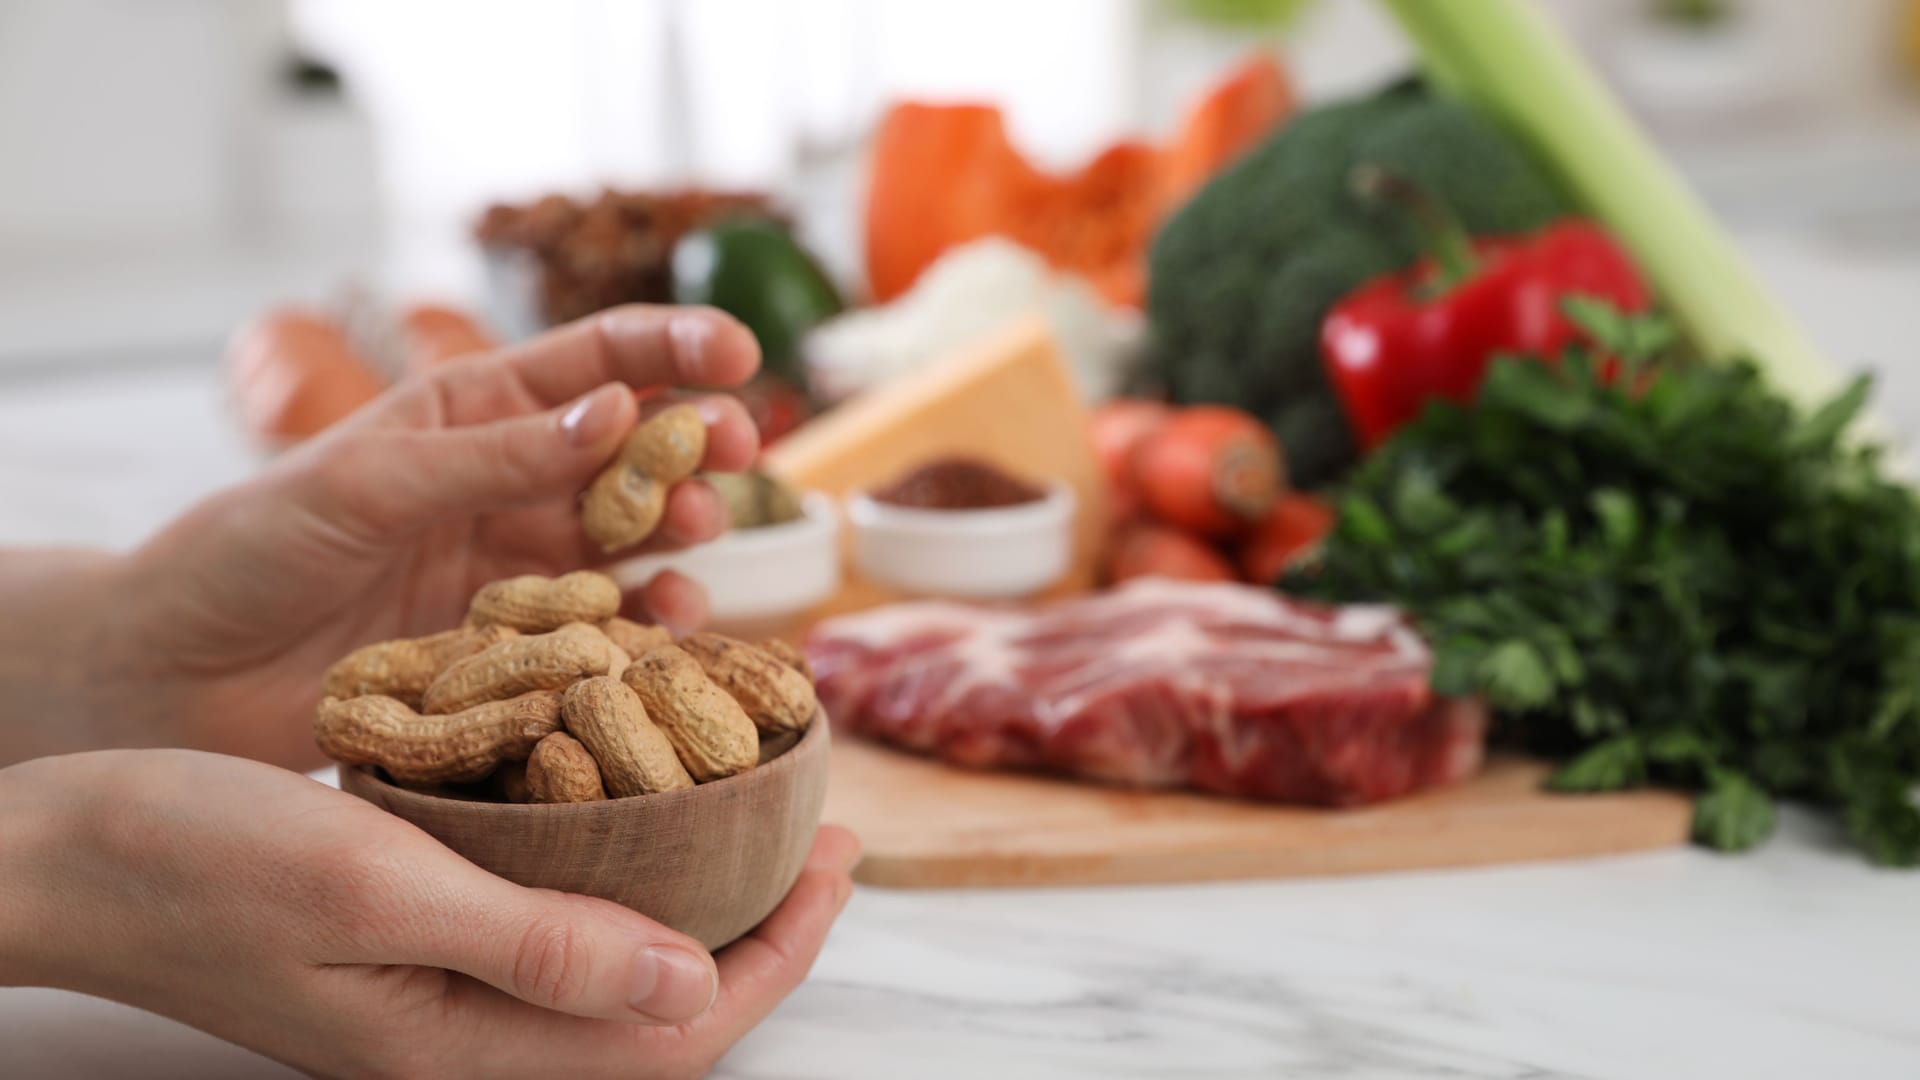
753	269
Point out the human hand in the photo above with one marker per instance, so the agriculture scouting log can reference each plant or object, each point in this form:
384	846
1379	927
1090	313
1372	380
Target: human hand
384	526
291	918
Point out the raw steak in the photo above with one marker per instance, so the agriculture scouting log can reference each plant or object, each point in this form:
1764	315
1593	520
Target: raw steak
1229	688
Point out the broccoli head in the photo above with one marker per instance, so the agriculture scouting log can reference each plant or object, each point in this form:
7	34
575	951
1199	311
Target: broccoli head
1242	276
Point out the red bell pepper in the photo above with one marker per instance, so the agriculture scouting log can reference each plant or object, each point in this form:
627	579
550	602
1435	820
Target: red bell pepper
1431	330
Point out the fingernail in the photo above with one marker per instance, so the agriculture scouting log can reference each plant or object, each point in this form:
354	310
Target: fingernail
672	985
689	333
710	410
590	419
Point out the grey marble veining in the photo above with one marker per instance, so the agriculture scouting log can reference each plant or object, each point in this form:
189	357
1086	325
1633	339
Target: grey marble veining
1542	971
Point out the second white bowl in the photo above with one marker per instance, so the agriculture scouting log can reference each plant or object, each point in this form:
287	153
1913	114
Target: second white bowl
755	578
999	554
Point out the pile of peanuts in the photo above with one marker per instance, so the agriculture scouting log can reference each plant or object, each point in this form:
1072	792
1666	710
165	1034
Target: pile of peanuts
547	695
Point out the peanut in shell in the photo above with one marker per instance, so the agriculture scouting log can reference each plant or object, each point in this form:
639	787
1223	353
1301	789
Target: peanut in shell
711	734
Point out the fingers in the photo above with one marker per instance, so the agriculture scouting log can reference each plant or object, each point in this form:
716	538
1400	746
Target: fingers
570	954
834	848
672	600
639	345
586	959
733	442
760	970
694	515
400	480
756	973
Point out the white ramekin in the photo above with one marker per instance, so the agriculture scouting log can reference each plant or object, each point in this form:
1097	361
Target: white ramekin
998	554
758	577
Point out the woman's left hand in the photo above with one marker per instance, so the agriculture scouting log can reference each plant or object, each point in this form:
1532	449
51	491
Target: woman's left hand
384	526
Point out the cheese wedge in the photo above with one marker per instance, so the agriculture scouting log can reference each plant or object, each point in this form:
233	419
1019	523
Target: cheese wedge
1010	401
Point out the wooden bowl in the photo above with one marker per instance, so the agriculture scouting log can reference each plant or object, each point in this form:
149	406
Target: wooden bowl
710	861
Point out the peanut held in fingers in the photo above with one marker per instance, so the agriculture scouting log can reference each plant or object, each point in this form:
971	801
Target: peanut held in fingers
456	747
533	604
634	756
549	661
710	732
404	669
622	507
561	770
669	444
777	697
625	503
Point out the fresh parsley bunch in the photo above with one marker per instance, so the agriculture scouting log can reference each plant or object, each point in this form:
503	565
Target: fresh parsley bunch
1664	573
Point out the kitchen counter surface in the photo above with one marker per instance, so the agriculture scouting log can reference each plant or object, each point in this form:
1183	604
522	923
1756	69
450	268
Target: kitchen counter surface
1794	962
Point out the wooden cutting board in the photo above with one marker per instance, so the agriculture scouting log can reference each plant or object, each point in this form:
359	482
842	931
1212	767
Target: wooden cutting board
1010	398
925	824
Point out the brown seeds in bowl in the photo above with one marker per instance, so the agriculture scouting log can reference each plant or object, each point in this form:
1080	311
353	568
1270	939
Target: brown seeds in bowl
772	746
561	770
617	661
500	710
404	668
533	604
635	757
509	782
786	653
777	697
635	639
549	661
412	748
712	735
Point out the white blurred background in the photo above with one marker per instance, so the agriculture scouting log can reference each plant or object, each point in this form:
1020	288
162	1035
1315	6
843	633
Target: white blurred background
165	167
169	167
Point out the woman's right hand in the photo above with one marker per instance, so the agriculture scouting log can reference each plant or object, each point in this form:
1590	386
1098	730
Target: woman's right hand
281	914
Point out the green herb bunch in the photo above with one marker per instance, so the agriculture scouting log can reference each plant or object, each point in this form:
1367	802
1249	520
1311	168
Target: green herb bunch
1663	572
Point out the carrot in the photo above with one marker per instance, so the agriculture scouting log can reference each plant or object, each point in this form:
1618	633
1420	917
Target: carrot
1144	549
1292	529
1119	427
1210	470
294	374
432	334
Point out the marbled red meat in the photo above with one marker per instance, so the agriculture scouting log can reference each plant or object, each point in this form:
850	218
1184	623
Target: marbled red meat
1222	687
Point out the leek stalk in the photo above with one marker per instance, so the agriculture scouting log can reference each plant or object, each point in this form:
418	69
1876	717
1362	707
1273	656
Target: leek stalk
1509	58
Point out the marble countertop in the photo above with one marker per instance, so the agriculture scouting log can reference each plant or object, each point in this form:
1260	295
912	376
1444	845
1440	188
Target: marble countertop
1796	961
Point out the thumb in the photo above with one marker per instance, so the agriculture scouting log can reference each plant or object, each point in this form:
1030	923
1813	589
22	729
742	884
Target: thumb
571	954
505	463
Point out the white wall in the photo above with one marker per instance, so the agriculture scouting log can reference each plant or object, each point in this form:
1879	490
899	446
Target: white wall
139	141
122	117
